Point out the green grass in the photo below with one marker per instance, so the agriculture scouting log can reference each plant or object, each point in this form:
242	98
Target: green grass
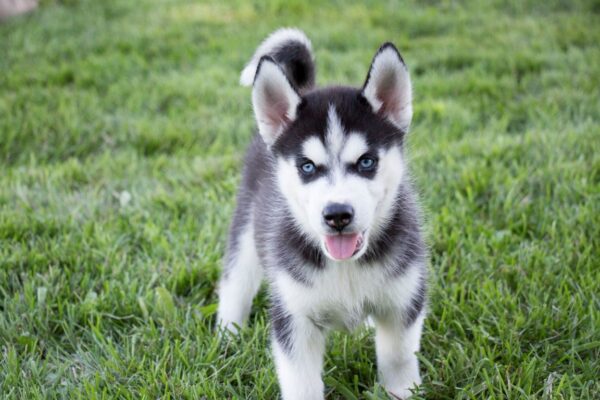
101	297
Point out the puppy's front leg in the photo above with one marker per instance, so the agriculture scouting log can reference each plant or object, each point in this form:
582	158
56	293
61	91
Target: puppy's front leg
396	346
298	347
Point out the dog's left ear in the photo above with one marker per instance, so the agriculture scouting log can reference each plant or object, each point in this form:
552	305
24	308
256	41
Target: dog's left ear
388	89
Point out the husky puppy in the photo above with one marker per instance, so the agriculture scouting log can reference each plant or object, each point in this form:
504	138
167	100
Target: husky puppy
326	213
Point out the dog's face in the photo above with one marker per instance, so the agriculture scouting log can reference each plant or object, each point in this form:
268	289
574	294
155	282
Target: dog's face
338	150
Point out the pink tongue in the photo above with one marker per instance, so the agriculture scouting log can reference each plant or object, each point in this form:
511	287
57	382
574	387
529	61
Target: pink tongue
341	247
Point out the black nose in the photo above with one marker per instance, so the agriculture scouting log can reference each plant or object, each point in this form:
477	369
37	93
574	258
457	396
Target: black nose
338	216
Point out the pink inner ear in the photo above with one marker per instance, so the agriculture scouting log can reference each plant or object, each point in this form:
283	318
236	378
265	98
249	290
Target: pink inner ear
276	111
388	93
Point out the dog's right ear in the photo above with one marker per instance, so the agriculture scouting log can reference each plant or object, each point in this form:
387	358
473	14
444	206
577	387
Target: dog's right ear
274	99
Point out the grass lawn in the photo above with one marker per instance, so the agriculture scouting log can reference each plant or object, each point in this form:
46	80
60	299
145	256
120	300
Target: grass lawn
122	128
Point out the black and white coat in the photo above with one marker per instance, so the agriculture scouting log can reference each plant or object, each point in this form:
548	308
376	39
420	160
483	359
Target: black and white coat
309	155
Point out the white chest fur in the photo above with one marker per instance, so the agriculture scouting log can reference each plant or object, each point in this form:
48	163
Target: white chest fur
344	294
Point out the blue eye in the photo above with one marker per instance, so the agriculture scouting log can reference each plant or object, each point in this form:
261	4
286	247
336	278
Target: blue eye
366	163
308	168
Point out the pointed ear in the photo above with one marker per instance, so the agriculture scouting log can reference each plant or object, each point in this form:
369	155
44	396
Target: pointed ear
388	89
274	99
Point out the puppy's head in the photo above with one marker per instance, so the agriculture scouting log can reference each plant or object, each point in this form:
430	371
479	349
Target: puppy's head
338	150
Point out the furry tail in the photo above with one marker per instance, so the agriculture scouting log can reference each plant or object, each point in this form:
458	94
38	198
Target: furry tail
293	51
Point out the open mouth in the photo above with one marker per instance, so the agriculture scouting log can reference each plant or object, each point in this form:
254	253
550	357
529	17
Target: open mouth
344	246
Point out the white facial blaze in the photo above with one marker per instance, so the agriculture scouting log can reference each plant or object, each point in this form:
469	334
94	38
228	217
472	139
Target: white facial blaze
371	199
335	133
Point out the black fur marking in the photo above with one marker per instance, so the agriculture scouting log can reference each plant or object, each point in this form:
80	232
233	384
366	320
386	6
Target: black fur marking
417	303
253	173
298	252
298	63
355	115
401	238
281	324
